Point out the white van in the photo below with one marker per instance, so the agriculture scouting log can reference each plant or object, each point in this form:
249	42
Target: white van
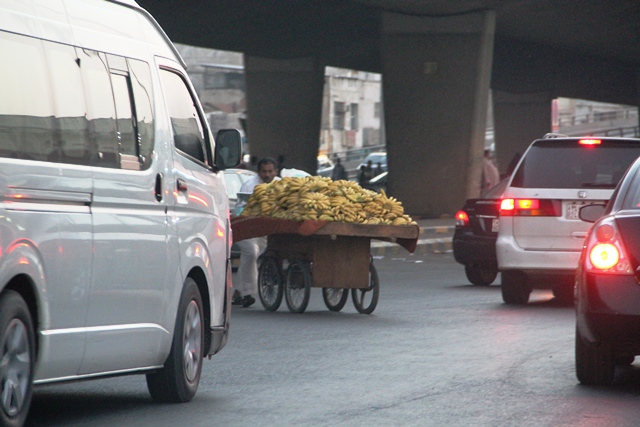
114	219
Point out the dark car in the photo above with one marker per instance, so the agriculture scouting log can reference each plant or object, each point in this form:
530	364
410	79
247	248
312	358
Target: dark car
474	238
607	290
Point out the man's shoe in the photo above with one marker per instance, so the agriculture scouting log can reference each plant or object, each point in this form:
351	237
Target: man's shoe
248	301
238	301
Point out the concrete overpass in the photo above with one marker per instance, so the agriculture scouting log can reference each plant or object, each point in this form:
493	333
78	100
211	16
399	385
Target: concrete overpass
438	59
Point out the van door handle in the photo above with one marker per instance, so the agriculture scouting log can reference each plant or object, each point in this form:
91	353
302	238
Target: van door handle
158	189
182	185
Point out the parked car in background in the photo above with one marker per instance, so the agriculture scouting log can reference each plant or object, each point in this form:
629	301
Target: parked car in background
474	238
234	179
607	290
325	166
540	236
375	158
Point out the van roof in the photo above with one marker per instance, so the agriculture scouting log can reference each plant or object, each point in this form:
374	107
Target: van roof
80	23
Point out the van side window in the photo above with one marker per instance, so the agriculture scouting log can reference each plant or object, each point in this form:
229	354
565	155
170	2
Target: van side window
100	108
64	104
127	135
140	78
188	129
26	107
71	143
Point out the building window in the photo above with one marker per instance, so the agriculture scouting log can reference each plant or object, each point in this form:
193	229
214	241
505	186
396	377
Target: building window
214	79
376	110
338	115
354	116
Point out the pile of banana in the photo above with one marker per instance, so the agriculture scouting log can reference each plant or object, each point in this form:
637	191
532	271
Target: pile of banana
320	198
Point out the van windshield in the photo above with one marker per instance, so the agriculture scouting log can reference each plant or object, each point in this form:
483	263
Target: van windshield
566	164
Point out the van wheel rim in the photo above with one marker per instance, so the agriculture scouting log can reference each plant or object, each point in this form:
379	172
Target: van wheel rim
15	367
192	341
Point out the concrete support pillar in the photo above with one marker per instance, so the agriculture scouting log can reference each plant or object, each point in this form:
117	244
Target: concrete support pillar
518	119
436	76
284	107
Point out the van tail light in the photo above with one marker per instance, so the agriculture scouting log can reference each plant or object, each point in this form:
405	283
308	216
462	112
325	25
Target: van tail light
462	219
605	252
530	207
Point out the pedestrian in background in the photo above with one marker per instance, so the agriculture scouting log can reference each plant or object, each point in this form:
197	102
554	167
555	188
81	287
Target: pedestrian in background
377	170
490	174
251	249
362	176
339	171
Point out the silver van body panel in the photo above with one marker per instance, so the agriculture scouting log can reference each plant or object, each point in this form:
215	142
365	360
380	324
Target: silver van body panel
105	254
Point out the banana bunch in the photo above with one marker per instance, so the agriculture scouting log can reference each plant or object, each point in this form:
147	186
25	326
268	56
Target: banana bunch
315	197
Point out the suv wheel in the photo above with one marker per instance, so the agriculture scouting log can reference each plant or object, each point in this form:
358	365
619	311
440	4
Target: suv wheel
515	289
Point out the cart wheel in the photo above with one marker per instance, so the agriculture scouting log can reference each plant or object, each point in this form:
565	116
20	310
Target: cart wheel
360	296
270	286
298	286
335	298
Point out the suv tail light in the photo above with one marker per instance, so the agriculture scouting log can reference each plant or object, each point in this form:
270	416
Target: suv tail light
530	207
590	142
462	219
605	252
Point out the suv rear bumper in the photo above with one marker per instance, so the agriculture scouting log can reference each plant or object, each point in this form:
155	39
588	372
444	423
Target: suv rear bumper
512	257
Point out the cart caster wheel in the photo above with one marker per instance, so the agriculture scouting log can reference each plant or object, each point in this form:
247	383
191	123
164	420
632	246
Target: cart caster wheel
335	298
370	293
298	286
270	286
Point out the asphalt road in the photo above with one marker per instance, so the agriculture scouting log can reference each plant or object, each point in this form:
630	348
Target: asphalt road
436	352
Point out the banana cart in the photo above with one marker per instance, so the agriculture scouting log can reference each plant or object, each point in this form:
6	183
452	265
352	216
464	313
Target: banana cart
334	256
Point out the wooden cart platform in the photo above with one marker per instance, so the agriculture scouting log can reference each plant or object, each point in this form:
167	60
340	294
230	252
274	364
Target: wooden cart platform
334	255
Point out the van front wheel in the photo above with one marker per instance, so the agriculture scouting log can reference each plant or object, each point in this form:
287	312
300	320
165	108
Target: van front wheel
17	358
178	380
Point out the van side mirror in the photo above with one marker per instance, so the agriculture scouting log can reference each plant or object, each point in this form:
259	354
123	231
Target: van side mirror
228	150
591	213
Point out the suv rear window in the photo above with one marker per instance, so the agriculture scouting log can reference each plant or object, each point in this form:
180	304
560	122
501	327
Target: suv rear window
566	164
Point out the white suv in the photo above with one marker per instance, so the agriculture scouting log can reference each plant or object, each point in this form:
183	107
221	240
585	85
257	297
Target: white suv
540	235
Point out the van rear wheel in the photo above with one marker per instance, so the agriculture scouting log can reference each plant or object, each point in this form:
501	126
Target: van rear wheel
178	380
515	289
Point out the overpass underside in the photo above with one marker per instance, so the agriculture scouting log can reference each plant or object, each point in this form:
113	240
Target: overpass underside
436	75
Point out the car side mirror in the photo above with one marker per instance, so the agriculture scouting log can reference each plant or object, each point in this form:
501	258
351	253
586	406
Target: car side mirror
228	148
591	213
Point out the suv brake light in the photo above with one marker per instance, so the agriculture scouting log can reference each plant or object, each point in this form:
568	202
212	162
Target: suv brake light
530	207
590	141
605	252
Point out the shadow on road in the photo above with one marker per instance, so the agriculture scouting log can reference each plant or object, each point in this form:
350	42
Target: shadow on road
57	407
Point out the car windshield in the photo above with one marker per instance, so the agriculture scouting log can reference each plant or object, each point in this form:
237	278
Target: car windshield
375	158
234	181
565	164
